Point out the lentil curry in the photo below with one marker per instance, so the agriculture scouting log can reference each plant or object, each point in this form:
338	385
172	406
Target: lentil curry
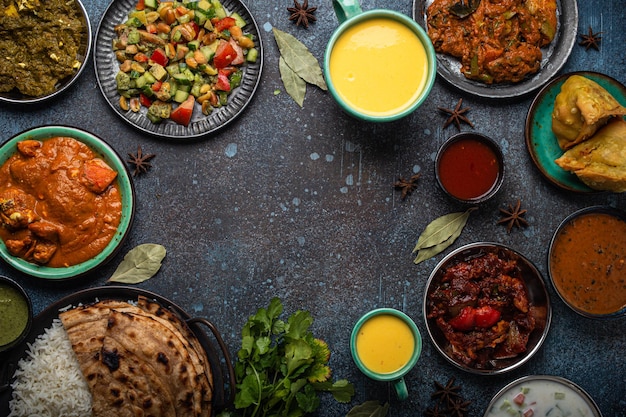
497	41
60	204
39	44
588	263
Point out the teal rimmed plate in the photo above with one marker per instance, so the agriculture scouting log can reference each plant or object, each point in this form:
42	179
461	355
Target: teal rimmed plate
542	144
127	191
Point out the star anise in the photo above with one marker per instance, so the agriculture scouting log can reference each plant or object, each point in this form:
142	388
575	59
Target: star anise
406	186
140	161
434	412
457	115
458	408
302	14
591	40
446	394
513	217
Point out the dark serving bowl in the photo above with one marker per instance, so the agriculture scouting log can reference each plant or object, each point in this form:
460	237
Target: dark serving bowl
586	264
469	167
127	191
16	97
537	295
16	313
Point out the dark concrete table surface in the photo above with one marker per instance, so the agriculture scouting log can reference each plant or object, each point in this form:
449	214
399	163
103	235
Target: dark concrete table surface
299	203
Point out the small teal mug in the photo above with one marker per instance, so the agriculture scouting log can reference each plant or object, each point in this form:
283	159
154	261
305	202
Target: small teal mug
380	65
385	345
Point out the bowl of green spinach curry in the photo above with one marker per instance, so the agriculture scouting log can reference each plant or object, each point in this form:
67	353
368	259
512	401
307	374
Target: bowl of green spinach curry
46	45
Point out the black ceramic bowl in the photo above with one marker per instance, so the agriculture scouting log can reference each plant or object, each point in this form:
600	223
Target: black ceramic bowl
469	167
587	262
16	97
537	295
16	313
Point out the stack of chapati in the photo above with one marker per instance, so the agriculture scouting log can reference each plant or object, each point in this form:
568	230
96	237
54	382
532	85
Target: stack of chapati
139	360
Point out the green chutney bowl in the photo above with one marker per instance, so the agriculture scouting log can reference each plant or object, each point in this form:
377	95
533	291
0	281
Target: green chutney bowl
127	194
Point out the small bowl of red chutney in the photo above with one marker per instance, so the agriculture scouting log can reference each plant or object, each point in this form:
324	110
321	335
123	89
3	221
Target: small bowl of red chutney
469	167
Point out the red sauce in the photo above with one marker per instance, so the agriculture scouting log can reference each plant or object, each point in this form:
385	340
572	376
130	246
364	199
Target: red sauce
468	169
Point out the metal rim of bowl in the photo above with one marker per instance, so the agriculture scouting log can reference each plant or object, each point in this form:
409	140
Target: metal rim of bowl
563	381
522	358
29	323
67	82
102	148
611	211
493	145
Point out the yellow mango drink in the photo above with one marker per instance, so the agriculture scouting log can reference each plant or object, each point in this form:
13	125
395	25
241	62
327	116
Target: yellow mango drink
385	344
379	67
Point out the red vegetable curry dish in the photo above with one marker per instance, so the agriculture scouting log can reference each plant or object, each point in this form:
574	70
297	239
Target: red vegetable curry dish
482	307
496	41
60	204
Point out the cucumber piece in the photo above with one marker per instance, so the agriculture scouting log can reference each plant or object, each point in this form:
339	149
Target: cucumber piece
180	96
239	21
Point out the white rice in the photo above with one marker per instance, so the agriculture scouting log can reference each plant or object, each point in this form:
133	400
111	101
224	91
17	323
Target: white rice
49	382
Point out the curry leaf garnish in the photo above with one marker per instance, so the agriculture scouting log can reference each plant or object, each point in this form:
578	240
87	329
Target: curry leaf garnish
295	85
300	60
369	409
140	263
464	8
281	367
439	234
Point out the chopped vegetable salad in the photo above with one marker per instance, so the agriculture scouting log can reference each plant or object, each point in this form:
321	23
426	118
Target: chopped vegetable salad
174	54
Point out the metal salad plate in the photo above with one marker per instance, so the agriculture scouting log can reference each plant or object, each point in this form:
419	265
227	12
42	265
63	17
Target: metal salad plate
554	57
107	66
221	366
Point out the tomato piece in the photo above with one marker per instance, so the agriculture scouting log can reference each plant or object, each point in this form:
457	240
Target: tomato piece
140	57
486	316
239	59
144	100
141	4
182	113
156	86
224	55
465	320
224	23
223	83
159	57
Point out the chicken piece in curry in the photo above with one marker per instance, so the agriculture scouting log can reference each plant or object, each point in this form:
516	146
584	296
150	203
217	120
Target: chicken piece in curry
60	204
497	41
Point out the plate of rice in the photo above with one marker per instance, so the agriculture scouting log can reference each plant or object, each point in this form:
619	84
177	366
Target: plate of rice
37	376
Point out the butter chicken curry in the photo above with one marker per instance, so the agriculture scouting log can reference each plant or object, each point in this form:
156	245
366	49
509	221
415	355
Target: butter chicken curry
60	204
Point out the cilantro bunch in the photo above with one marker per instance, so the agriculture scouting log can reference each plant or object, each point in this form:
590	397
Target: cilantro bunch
281	367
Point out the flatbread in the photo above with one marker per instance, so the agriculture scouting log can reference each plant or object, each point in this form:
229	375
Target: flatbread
139	360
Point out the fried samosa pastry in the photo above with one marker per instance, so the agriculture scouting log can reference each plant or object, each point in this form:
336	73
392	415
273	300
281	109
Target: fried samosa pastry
580	109
600	162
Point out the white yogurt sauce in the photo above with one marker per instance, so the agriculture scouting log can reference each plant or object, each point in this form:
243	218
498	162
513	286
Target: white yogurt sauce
541	398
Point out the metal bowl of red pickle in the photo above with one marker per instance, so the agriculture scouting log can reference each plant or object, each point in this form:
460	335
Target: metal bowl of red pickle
487	309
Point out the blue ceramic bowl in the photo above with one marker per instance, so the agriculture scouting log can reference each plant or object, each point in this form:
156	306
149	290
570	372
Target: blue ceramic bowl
127	191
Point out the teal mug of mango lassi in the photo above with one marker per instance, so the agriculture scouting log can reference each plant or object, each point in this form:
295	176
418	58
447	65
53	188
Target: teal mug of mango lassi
379	65
385	346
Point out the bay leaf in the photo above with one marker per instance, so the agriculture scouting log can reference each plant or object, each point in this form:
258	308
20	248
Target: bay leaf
140	264
429	252
299	58
369	409
440	229
294	84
